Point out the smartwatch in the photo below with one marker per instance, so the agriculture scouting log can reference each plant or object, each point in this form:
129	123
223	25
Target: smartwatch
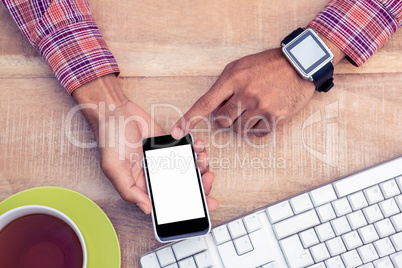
311	57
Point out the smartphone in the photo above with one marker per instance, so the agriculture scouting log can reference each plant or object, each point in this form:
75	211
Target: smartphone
179	208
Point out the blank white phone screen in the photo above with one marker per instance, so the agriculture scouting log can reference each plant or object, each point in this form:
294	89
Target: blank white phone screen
174	182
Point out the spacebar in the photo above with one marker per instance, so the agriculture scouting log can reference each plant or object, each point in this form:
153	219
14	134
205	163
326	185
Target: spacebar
296	224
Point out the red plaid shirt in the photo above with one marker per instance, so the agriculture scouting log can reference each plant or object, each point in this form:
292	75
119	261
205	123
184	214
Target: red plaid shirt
67	37
359	27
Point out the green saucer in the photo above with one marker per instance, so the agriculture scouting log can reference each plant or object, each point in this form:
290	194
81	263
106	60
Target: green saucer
100	237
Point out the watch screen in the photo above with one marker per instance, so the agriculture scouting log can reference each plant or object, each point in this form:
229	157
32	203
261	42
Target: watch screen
315	53
307	52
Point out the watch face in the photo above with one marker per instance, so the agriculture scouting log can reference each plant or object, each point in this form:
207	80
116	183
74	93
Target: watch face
307	53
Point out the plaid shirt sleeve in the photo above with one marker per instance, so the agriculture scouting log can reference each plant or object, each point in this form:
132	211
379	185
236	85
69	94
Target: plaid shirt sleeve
67	37
359	27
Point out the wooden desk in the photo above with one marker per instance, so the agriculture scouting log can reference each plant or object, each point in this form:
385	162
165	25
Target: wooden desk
170	51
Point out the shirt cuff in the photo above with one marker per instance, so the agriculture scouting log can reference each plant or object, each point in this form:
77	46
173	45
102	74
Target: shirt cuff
78	54
358	27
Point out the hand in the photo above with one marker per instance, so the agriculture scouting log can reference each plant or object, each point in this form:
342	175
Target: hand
253	93
122	162
119	133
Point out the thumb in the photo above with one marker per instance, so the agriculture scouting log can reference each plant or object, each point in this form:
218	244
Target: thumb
124	182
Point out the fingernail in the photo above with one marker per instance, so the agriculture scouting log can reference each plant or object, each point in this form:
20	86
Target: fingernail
177	133
143	208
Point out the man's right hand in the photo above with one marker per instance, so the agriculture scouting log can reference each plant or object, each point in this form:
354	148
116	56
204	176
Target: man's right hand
253	94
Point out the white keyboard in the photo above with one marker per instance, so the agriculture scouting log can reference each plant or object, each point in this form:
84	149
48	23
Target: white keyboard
354	221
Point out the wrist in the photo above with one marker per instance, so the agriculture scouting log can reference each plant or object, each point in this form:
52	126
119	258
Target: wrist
338	53
102	89
103	95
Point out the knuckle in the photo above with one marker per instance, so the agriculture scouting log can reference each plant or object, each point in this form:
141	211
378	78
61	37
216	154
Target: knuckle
224	121
234	75
204	103
253	93
124	194
230	65
231	109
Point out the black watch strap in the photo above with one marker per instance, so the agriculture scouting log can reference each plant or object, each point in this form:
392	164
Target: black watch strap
292	36
323	78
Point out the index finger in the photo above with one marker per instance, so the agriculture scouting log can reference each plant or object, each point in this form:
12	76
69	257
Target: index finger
204	106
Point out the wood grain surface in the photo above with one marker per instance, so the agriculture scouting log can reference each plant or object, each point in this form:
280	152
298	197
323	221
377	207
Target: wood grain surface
170	51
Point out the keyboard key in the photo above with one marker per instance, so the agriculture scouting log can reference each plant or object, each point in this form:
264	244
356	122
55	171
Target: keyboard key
384	247
296	224
318	265
351	258
352	240
367	265
221	234
252	222
187	263
373	195
367	253
396	259
326	212
324	231
236	228
389	207
340	225
295	254
389	188
203	260
373	213
368	177
397	222
399	182
384	228
341	207
335	246
383	263
149	261
255	258
273	264
319	252
357	200
309	238
368	234
323	195
243	245
165	256
398	200
301	203
356	219
279	211
396	240
173	265
335	262
189	247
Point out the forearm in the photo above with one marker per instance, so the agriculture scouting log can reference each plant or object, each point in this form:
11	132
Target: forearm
67	37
